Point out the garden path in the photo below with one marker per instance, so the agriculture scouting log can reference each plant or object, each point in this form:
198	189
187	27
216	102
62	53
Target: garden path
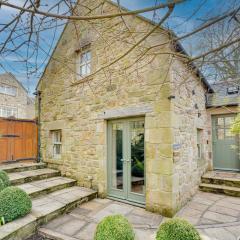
217	217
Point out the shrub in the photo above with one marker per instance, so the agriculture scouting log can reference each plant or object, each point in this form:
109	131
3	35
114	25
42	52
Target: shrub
14	203
4	177
114	227
177	229
2	186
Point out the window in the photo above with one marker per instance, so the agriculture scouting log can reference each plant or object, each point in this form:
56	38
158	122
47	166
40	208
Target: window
223	127
199	143
8	112
8	90
85	64
233	90
57	143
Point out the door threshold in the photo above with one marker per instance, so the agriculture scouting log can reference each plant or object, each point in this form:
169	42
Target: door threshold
226	170
141	205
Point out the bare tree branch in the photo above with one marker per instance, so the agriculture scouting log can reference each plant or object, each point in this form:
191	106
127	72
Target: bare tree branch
127	13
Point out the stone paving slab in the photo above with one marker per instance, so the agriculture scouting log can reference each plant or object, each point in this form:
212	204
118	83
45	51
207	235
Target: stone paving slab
31	175
217	217
82	221
19	167
46	186
45	209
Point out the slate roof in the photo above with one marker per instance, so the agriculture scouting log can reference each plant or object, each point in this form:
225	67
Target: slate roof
221	97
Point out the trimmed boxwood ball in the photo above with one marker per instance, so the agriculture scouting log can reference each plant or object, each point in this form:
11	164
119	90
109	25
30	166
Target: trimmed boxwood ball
115	227
14	203
4	177
177	229
2	186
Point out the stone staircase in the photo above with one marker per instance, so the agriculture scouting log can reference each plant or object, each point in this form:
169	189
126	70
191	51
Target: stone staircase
52	195
221	182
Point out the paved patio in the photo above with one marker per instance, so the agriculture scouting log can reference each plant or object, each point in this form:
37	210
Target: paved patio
217	217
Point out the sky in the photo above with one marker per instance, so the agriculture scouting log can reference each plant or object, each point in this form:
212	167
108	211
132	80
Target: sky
186	17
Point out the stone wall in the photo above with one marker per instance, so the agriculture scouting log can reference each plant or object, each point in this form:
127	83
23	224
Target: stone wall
24	105
125	89
190	116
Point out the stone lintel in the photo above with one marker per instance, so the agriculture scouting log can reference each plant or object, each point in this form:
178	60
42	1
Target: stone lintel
126	112
55	125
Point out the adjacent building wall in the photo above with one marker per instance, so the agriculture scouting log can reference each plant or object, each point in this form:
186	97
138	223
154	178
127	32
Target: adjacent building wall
22	102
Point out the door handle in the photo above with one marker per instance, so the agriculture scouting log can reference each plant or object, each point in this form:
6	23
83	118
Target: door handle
129	160
126	160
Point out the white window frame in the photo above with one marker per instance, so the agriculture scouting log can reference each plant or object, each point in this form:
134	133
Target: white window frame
233	90
7	111
84	63
56	142
8	90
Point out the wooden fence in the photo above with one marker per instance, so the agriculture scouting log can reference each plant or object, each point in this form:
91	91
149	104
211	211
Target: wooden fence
18	139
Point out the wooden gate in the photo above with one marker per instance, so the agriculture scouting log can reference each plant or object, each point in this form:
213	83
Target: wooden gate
18	139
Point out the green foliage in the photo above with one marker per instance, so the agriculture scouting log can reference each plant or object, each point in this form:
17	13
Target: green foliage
114	227
14	203
138	169
177	229
2	185
2	221
236	125
137	153
4	177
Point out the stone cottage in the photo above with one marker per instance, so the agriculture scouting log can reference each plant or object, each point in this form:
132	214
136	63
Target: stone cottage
136	131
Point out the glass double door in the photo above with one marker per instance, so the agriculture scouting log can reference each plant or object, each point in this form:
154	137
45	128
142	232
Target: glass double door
126	161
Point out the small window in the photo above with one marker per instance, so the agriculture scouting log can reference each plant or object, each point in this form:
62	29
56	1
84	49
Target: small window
85	64
57	143
199	143
8	90
8	112
233	90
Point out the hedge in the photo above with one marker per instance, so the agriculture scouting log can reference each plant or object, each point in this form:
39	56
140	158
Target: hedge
14	203
4	177
2	185
115	227
177	229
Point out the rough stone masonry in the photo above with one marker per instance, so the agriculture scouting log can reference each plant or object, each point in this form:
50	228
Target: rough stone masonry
159	87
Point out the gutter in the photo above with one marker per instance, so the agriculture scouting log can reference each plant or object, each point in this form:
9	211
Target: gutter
39	155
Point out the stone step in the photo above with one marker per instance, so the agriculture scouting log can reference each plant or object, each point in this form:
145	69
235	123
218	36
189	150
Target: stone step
17	178
53	235
221	180
227	190
46	186
45	209
20	167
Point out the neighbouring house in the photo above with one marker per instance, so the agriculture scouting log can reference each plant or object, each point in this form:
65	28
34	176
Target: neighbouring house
14	99
222	107
138	135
